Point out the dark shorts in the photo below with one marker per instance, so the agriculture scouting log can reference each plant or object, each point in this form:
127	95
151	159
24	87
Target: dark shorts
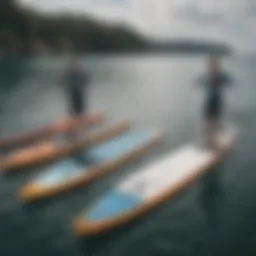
77	105
213	109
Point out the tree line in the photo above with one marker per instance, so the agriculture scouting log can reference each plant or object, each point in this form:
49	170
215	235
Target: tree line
25	32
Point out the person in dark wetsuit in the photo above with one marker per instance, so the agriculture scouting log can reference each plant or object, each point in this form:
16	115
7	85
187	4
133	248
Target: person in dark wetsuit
215	81
76	83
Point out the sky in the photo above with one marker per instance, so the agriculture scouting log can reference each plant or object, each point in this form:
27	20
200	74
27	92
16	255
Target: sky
231	21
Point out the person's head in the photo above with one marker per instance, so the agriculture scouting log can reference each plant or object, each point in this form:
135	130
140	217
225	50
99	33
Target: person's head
214	64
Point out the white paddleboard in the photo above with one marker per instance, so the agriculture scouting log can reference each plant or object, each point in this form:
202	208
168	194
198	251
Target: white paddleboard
152	184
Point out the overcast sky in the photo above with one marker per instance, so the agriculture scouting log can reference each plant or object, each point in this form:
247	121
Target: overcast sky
232	21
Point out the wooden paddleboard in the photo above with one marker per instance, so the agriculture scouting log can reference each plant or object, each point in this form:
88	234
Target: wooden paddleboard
102	159
48	152
153	184
58	127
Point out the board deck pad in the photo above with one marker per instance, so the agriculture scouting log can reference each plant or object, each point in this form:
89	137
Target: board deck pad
108	151
156	178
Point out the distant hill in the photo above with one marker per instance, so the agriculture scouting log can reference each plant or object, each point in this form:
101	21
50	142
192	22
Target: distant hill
190	46
26	32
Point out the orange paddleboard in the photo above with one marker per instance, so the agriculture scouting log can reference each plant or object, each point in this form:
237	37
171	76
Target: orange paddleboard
47	152
59	127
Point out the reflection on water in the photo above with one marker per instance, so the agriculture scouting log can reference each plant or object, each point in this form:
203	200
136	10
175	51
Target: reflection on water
211	197
11	72
153	91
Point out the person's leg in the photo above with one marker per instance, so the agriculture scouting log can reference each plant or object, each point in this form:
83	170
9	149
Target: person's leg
212	122
79	108
212	130
75	110
217	122
71	135
208	133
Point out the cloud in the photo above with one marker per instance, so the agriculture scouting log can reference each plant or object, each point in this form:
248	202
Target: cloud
75	5
231	21
226	20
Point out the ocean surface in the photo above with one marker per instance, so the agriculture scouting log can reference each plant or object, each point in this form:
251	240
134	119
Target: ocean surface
214	216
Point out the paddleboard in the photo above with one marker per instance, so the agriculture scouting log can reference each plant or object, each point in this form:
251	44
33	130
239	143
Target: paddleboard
59	127
102	159
49	152
152	184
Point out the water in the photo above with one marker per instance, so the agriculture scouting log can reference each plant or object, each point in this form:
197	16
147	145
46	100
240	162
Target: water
155	91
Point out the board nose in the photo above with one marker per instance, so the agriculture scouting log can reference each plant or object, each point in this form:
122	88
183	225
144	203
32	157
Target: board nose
113	204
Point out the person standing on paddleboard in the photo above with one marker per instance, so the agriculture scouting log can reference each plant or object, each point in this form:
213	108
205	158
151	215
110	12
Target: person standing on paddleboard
215	81
76	81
